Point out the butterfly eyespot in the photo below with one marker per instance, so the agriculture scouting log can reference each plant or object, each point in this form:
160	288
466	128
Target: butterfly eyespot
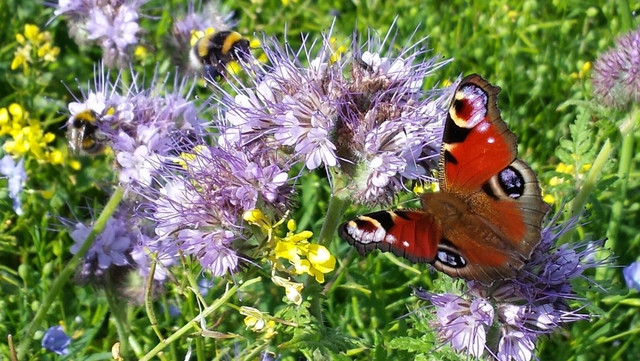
511	182
450	258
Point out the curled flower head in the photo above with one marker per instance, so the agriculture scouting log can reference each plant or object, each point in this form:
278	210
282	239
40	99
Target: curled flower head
110	249
522	309
616	73
197	201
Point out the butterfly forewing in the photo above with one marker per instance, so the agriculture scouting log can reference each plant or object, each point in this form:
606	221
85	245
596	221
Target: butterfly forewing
476	143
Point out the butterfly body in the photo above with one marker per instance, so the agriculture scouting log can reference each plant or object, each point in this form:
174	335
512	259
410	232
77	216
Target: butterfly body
486	220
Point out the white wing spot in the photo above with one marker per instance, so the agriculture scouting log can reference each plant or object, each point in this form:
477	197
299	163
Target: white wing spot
405	243
390	239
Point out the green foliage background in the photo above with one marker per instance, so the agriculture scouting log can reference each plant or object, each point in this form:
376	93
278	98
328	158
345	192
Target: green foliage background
536	51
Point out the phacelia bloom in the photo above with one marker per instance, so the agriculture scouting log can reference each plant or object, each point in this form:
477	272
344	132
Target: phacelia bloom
16	176
364	115
196	203
631	275
522	309
111	248
616	73
142	124
56	340
111	24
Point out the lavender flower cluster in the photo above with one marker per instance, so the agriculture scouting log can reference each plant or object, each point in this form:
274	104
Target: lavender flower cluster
361	117
616	72
142	126
519	310
112	24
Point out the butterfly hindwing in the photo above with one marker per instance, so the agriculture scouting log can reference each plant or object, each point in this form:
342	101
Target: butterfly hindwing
409	234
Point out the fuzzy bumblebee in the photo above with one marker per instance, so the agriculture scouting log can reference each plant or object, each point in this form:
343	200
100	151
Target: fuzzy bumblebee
212	52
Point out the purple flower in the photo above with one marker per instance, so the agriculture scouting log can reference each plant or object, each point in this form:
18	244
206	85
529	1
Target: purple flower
111	24
197	209
534	303
143	124
56	340
631	275
616	73
365	116
145	248
16	175
110	248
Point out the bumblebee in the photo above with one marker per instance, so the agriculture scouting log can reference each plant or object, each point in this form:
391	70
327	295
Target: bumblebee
214	51
83	133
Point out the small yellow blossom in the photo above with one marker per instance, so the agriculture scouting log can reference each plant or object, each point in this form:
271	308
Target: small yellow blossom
305	257
293	290
33	45
141	53
564	168
257	321
75	164
549	199
27	136
31	32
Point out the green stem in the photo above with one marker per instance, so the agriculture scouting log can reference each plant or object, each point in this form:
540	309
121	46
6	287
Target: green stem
626	155
624	14
596	170
67	272
196	321
335	210
148	298
119	319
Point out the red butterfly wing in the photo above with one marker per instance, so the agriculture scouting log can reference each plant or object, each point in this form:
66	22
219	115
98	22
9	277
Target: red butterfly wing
413	235
476	143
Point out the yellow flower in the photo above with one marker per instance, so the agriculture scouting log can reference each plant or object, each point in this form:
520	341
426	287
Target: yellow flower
34	44
305	257
21	57
321	259
549	199
292	289
564	168
27	136
257	321
31	32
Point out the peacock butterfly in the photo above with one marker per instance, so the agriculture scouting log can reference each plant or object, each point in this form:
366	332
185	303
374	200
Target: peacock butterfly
486	220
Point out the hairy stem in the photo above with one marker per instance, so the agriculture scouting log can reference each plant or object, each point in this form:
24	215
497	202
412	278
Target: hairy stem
67	272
